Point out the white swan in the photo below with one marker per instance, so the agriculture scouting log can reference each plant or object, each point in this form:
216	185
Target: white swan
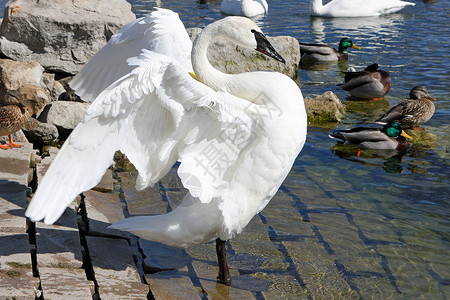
356	8
236	137
246	8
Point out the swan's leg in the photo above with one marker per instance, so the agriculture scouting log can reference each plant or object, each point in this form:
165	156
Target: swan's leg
224	272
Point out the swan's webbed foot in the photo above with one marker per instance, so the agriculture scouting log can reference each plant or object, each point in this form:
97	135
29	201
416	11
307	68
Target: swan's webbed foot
224	272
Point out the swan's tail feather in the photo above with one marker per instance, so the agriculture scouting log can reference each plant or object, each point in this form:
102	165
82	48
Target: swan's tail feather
191	223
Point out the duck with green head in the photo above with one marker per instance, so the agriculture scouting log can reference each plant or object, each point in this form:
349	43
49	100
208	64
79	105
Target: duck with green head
321	52
390	137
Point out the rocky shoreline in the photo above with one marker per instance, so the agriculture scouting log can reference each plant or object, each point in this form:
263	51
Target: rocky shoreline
43	45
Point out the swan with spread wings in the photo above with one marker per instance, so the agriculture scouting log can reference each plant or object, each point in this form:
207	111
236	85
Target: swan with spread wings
152	110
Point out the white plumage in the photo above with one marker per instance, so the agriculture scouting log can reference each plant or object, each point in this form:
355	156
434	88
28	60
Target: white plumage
236	136
246	8
356	8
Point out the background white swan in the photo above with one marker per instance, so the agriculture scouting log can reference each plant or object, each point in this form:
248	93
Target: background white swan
157	114
246	8
356	8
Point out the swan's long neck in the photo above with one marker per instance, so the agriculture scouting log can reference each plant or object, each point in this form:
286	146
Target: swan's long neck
315	6
204	71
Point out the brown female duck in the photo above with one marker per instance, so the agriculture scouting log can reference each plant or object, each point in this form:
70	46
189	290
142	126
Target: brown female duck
414	111
13	115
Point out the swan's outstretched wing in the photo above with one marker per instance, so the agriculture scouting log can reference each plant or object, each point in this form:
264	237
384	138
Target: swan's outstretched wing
160	31
156	115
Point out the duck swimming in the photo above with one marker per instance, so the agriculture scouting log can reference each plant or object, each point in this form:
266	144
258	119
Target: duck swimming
368	84
13	116
157	114
390	137
321	52
414	111
356	8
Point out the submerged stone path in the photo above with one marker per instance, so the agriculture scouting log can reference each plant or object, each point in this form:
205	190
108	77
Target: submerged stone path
329	253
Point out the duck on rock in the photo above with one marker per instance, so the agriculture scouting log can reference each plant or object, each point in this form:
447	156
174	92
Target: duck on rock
413	111
390	137
13	115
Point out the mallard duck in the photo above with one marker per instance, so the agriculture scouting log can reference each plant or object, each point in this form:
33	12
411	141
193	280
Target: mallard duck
246	8
390	137
415	110
13	115
368	84
356	8
321	52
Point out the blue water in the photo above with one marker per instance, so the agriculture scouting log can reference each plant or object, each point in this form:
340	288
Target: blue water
397	205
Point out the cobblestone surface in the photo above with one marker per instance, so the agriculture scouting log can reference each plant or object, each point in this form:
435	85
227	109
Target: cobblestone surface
322	249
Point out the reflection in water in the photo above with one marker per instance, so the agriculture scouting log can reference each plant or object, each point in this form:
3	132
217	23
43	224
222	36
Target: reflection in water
309	65
367	26
365	110
389	160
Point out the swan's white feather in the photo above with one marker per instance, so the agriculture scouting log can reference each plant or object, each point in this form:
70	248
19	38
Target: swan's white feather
161	31
234	152
246	8
153	127
356	8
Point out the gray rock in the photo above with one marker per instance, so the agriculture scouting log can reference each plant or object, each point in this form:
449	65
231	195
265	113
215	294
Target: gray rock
232	59
324	108
53	88
13	74
62	35
65	115
41	133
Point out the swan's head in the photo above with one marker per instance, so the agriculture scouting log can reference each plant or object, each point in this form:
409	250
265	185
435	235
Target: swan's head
247	34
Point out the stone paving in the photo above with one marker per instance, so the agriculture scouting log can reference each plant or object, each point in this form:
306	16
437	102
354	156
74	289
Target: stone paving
330	253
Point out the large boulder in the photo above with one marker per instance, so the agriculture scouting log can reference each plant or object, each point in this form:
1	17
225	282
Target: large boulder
65	115
62	35
324	108
40	133
14	74
232	59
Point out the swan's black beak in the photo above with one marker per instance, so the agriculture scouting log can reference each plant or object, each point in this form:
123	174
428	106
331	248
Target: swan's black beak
264	46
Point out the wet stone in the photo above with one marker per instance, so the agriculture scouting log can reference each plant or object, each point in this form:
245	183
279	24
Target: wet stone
207	274
346	244
316	268
167	285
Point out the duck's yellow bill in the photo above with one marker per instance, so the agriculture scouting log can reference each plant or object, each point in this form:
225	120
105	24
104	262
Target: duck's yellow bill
356	47
403	134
